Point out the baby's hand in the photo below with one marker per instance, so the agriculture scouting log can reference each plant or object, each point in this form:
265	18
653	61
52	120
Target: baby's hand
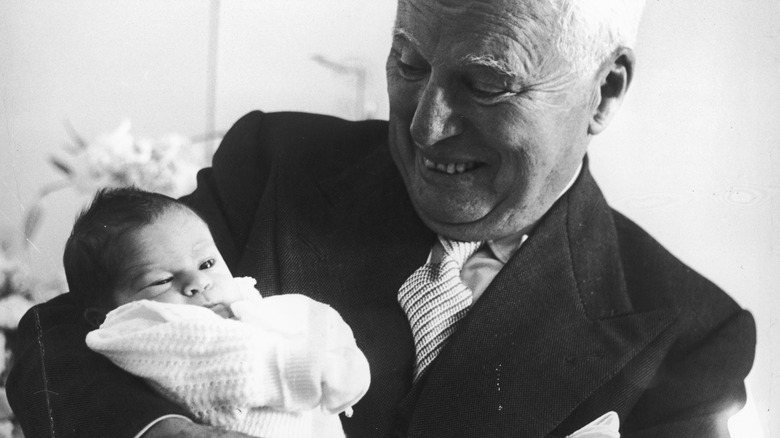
287	315
345	371
246	288
322	337
345	379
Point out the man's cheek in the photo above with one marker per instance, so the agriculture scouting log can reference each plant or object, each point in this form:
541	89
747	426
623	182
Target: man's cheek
403	98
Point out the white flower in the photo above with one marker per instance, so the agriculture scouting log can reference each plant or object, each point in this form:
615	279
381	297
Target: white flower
167	164
6	428
116	146
170	147
83	172
5	268
184	180
12	308
3	362
11	269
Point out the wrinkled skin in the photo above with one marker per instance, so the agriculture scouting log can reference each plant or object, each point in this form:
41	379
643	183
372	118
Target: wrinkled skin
487	123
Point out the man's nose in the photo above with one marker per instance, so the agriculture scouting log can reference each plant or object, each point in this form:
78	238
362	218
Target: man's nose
195	283
435	118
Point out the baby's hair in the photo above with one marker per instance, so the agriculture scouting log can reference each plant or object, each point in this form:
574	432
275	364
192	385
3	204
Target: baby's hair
95	249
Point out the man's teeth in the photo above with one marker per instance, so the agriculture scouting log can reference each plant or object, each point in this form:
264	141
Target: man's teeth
449	168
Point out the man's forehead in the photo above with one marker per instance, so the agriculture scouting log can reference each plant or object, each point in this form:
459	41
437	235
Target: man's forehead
486	55
500	6
506	36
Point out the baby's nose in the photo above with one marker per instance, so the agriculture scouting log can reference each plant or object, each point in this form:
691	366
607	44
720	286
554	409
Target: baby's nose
196	283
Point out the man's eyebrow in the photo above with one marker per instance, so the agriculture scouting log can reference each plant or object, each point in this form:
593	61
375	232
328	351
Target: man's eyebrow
500	66
403	34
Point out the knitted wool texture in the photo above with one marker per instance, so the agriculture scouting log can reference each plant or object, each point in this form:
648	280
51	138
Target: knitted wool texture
283	368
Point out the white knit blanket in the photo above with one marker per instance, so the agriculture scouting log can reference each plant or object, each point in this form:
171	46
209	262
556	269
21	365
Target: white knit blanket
283	368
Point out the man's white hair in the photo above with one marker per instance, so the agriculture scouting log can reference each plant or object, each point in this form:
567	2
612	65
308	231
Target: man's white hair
590	30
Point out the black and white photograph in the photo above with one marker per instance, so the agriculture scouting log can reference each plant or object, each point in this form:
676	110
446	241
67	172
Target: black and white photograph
390	218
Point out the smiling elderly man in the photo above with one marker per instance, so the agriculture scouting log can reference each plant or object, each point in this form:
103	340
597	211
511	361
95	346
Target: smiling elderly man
493	290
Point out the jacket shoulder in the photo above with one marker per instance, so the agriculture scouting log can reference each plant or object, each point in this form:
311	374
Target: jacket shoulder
261	146
656	278
711	345
258	138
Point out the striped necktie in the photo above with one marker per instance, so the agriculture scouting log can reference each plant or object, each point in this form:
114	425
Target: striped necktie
435	299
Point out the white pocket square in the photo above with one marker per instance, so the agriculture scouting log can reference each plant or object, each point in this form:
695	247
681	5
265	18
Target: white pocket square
606	426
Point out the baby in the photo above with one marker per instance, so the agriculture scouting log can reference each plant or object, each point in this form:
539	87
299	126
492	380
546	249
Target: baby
282	366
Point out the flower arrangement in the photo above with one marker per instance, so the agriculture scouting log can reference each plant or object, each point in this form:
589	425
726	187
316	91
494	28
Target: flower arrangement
167	165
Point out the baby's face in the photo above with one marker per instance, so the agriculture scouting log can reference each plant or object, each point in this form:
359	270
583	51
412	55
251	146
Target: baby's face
175	260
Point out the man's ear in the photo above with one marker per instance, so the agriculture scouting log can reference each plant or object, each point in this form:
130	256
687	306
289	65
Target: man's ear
614	76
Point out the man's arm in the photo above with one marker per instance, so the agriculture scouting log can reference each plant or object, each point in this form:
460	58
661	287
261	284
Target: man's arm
700	387
700	379
58	387
179	428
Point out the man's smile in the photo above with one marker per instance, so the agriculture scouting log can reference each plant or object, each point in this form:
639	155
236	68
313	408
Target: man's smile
450	168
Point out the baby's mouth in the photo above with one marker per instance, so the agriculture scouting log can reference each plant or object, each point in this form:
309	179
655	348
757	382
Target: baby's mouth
220	309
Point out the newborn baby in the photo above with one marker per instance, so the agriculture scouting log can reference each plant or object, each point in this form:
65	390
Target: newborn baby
282	366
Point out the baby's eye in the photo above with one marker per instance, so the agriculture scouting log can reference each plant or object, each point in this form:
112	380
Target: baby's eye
208	264
162	281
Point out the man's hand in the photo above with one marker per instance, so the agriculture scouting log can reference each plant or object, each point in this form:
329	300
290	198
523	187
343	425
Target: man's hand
179	427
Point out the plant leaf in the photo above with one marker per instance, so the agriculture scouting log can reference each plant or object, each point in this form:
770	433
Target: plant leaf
75	135
31	222
59	164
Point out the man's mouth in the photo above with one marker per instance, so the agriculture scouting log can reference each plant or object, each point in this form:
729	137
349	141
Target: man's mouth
450	168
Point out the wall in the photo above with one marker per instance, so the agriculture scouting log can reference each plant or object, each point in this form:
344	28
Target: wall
91	64
692	156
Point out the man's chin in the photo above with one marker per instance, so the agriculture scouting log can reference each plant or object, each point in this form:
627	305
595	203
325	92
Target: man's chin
461	227
491	225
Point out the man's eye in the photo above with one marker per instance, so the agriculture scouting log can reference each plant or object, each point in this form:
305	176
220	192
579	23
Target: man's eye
207	264
484	92
411	72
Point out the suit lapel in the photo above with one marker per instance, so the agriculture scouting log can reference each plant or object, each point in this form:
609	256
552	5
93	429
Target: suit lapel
553	327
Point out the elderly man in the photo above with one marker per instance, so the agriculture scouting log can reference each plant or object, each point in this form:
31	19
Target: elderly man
491	287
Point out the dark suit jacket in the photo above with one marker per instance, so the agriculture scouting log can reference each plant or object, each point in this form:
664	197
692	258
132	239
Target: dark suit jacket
591	315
